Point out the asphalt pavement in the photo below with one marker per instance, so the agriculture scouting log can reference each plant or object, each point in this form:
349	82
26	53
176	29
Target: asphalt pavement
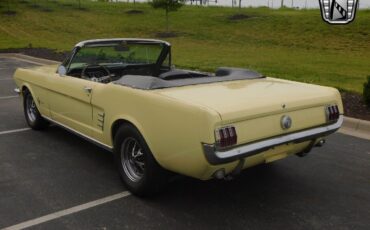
44	172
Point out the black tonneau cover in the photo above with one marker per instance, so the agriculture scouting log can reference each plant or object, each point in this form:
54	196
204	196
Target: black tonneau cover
222	74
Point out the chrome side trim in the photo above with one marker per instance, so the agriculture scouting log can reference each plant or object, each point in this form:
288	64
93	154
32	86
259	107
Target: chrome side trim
100	123
17	90
92	140
215	156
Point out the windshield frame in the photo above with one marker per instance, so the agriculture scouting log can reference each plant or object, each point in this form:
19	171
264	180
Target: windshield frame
166	51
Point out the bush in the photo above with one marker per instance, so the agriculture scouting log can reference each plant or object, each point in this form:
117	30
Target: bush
366	92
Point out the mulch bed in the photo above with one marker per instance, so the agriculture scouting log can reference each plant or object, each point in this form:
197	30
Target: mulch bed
354	105
9	12
46	10
236	17
134	12
169	34
82	8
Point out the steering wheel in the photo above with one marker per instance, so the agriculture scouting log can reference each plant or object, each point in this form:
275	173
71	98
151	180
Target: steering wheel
98	73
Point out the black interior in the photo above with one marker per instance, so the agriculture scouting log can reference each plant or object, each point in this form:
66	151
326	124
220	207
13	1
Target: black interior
177	78
117	72
180	74
166	78
156	75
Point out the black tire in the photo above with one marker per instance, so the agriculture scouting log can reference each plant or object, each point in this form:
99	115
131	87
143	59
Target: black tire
31	113
149	179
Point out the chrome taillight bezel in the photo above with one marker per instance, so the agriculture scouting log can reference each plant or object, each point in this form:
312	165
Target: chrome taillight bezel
226	137
332	113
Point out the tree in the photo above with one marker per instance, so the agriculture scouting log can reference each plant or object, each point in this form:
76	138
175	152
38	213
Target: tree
282	4
168	6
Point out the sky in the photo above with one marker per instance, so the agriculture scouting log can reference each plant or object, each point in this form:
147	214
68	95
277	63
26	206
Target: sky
274	3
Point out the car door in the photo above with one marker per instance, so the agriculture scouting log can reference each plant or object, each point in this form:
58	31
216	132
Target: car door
70	103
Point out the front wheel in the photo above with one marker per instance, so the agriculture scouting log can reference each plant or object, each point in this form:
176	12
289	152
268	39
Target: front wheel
31	113
138	169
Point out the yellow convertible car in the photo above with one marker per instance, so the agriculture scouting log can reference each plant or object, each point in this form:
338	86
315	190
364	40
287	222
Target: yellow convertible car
126	96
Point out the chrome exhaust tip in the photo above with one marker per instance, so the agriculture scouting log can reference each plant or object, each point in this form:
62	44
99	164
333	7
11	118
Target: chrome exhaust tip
219	174
321	143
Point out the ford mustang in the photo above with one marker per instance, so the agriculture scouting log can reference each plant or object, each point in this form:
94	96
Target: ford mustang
126	96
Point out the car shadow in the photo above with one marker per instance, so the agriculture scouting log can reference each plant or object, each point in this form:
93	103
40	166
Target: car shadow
286	193
267	181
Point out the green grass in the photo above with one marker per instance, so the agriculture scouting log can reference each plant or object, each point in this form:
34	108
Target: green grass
285	43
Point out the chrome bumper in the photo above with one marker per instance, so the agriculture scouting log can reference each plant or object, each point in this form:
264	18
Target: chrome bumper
215	156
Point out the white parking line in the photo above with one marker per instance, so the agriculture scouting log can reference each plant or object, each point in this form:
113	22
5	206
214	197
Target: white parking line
7	97
6	79
68	211
14	131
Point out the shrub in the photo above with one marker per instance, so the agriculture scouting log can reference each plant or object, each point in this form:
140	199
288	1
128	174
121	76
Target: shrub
366	92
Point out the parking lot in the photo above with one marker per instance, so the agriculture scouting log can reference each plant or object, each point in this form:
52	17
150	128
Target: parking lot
54	180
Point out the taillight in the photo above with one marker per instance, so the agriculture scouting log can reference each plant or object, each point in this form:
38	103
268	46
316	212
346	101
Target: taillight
332	113
225	136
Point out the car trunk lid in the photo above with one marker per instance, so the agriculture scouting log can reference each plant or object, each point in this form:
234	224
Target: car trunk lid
255	107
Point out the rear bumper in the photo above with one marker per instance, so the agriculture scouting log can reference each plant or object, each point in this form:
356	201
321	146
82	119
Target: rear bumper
216	157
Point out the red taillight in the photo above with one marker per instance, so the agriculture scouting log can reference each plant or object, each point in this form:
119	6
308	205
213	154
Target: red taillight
225	136
332	113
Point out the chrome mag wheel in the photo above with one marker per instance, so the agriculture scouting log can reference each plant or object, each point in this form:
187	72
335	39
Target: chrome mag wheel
31	108
132	159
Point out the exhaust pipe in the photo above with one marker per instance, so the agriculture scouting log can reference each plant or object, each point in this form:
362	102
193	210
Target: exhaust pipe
220	173
310	146
320	143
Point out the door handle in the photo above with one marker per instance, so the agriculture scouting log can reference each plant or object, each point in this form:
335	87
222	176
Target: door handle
87	89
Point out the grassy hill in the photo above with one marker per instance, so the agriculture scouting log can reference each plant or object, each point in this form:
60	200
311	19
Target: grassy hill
285	43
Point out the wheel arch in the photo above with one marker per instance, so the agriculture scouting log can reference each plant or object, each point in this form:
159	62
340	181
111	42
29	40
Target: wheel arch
122	121
115	126
26	87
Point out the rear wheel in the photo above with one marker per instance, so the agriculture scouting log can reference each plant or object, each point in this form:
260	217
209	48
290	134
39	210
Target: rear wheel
31	113
138	169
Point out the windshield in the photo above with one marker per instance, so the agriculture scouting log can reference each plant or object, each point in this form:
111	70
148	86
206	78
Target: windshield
119	53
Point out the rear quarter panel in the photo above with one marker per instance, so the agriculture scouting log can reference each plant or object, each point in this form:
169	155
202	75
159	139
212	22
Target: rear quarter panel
174	131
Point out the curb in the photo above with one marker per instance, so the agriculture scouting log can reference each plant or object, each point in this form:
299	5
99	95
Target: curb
356	127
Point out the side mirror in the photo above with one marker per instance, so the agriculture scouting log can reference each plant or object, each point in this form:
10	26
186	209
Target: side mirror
62	70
